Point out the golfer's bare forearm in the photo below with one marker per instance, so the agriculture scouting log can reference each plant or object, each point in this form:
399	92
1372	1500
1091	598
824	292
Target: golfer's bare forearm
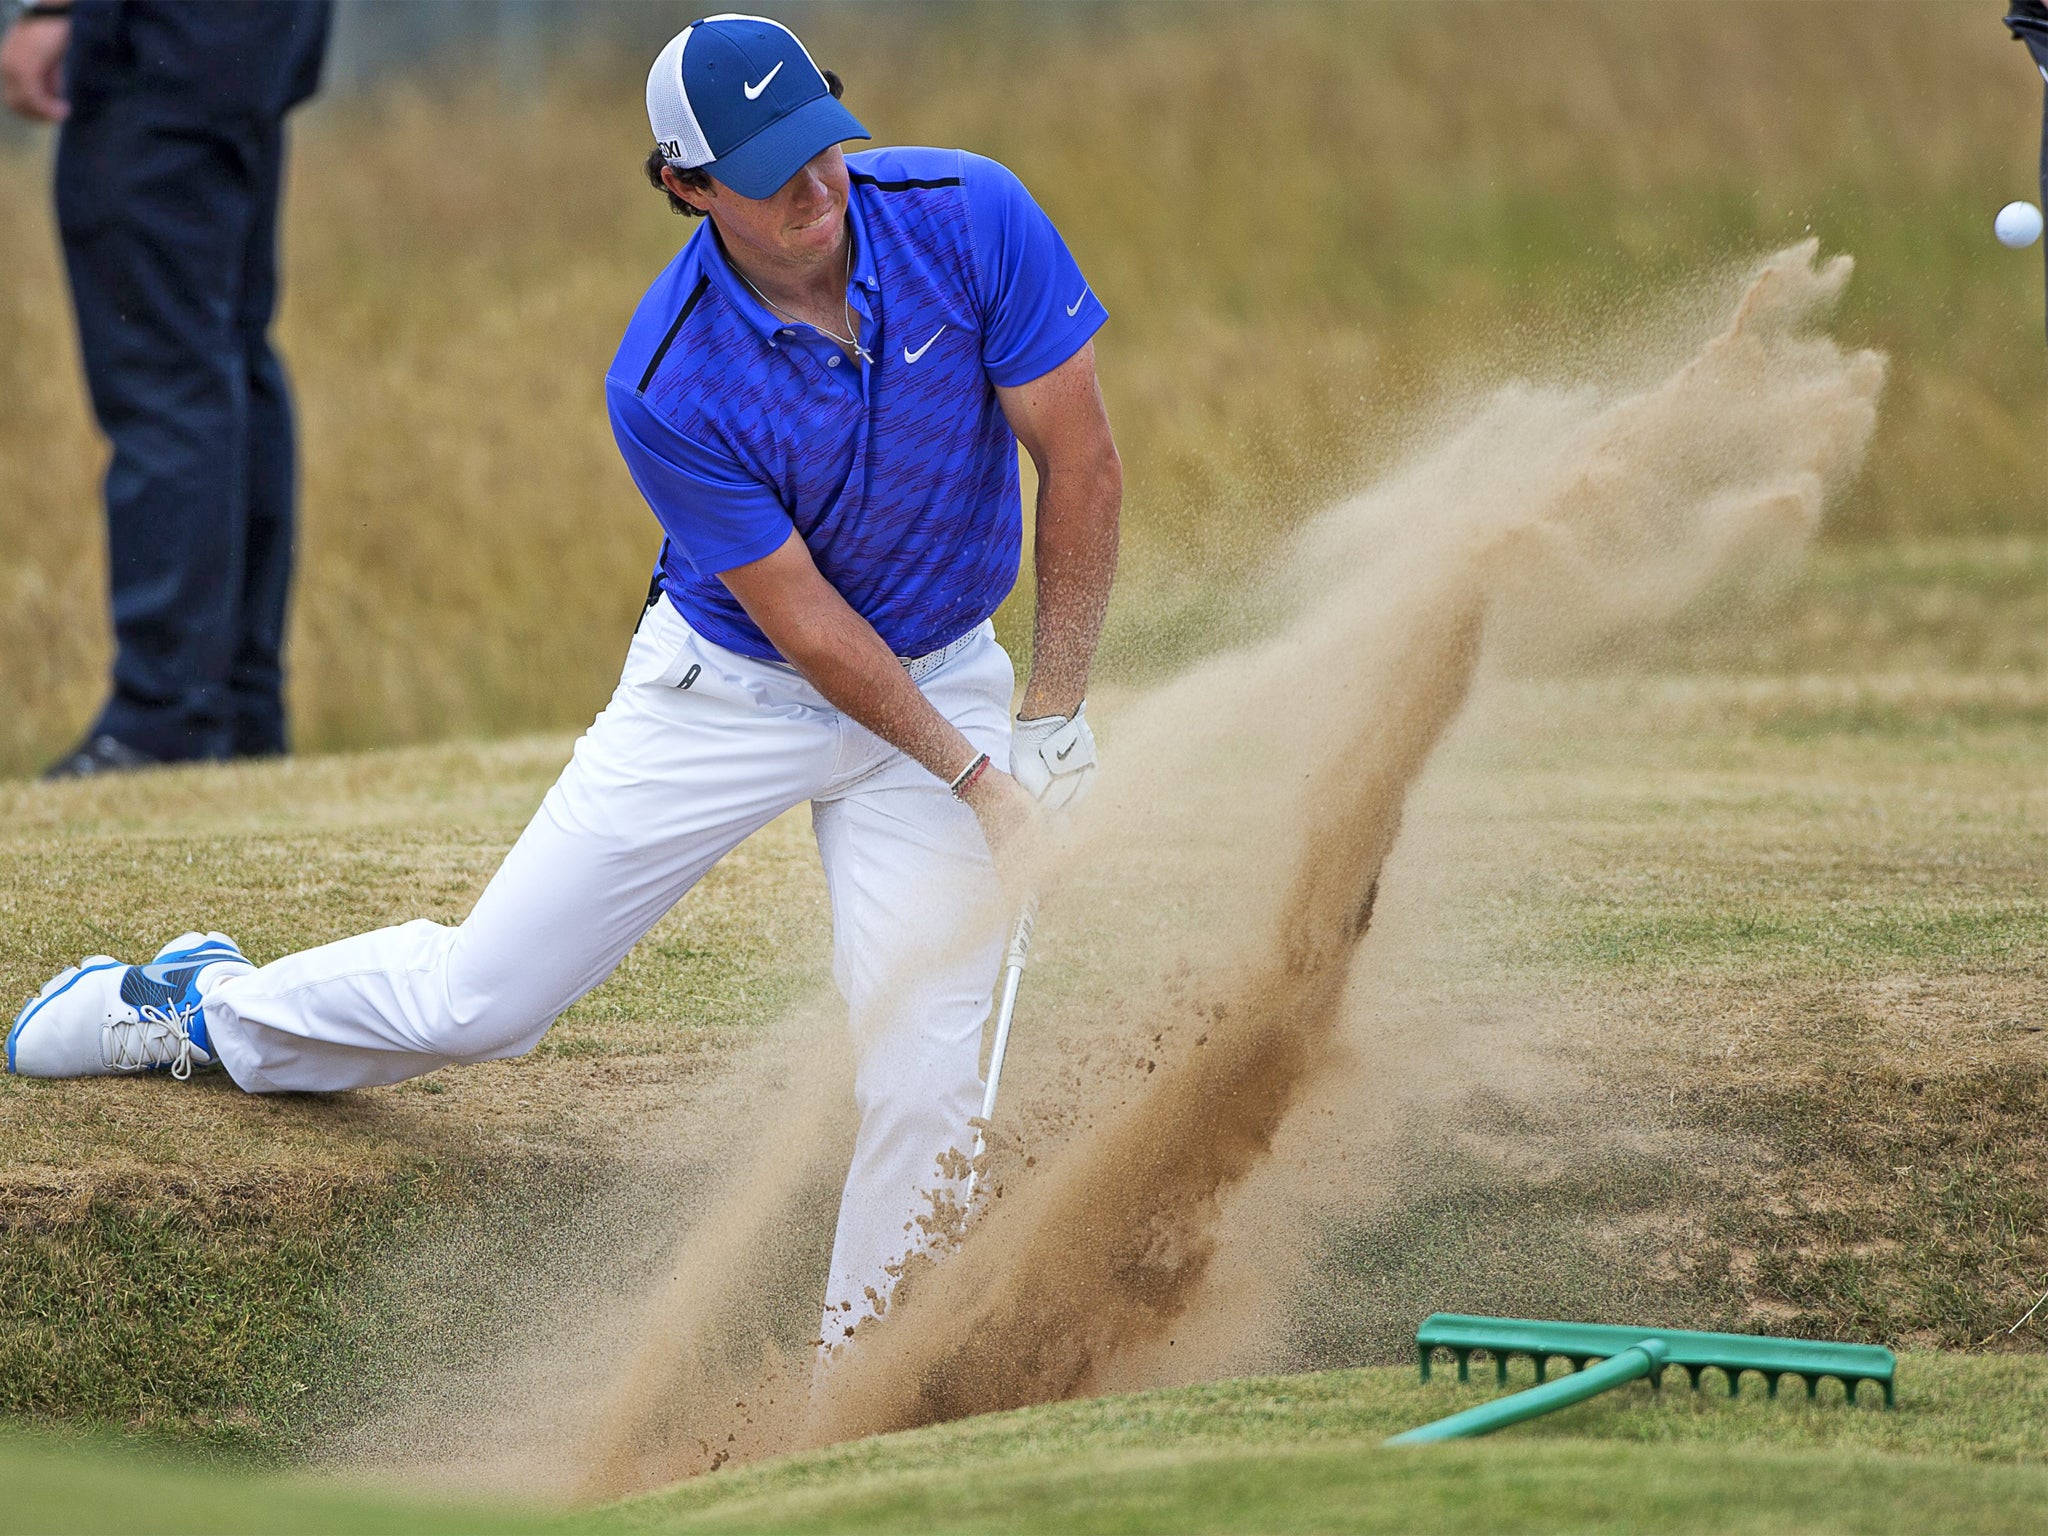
846	661
840	655
1075	555
1062	423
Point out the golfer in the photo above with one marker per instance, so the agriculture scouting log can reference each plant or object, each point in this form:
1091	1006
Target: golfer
821	399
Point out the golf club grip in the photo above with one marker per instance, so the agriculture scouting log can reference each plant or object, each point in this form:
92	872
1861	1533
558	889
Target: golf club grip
1020	936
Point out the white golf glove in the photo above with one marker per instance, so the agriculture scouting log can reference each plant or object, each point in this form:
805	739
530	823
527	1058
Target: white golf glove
1053	758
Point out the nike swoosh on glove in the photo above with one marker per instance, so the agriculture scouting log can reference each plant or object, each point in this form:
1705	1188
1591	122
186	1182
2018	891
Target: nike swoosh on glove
1053	758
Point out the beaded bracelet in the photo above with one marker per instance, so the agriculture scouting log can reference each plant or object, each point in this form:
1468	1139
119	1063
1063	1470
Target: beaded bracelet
967	776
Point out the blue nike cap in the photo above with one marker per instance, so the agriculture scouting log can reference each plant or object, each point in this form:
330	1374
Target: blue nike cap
739	97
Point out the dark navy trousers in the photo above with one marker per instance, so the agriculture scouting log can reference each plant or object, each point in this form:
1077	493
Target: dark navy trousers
168	172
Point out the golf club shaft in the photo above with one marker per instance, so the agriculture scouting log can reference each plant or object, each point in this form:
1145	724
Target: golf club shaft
1006	1010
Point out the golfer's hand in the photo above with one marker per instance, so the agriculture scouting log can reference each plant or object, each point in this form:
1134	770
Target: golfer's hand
32	68
1009	817
1054	758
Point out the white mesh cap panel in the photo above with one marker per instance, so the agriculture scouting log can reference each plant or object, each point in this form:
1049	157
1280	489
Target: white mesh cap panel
675	127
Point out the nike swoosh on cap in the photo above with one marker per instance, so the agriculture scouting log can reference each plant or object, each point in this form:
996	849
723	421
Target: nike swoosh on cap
911	357
754	91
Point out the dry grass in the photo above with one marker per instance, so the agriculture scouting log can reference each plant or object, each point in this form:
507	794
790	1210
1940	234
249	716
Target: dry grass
1309	222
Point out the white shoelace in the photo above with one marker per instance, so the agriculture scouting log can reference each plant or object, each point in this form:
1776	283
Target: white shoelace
161	1037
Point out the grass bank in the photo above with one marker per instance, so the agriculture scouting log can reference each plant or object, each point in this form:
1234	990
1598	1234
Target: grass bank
193	1310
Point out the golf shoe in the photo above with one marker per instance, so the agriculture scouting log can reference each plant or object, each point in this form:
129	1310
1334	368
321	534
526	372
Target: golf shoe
101	1017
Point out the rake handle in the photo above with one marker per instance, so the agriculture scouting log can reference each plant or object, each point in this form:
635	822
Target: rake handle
1631	1364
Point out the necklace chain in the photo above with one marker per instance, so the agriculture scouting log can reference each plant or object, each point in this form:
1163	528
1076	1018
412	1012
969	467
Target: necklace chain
849	339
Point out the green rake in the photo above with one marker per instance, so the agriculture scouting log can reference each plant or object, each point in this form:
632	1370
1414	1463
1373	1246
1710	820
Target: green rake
1624	1355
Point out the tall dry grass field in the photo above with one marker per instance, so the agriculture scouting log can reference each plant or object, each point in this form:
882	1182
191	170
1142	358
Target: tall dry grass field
1309	222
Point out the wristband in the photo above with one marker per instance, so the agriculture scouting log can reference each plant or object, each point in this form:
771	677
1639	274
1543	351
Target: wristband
38	10
966	777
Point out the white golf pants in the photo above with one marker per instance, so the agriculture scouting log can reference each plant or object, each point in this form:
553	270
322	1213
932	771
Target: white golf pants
698	748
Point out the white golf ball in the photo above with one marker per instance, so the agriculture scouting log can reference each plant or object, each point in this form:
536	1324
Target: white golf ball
2018	225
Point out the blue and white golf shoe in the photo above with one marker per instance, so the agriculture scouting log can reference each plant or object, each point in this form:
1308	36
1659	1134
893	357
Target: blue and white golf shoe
100	1017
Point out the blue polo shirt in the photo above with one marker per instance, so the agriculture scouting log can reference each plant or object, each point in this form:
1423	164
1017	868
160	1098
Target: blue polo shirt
897	469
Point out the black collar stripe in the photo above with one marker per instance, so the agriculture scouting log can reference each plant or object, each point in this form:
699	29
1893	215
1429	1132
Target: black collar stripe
904	186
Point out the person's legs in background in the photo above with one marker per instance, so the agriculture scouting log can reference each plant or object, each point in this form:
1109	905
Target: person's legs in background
256	671
168	174
156	219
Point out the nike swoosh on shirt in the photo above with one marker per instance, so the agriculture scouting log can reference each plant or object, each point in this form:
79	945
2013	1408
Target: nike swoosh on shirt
1075	307
754	91
911	357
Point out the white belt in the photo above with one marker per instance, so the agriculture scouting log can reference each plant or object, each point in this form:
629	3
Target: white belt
922	667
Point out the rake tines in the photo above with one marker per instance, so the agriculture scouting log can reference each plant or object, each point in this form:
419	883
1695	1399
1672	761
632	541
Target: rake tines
1605	1356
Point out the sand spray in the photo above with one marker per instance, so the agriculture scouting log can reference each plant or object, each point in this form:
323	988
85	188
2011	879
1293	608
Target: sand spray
1639	503
1244	822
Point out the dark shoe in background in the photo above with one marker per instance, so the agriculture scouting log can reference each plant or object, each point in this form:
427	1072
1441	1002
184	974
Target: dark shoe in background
96	755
